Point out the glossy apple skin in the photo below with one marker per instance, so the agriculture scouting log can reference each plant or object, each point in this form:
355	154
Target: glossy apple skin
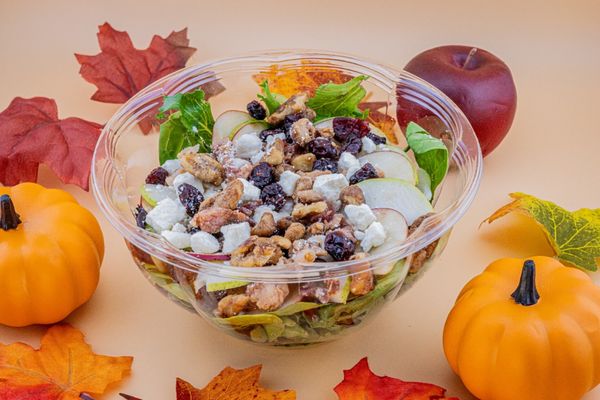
483	88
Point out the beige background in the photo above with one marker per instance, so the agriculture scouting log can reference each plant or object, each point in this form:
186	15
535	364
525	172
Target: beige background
552	151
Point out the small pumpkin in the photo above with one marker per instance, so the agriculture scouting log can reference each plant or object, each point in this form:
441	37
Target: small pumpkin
51	249
538	341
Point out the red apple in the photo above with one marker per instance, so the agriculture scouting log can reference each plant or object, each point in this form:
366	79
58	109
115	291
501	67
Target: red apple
476	80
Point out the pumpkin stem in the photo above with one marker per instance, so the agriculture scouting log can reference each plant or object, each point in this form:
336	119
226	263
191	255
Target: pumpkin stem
526	293
9	219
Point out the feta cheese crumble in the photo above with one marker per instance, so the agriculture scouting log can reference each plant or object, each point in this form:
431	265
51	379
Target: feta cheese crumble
347	162
330	186
188	178
368	145
247	146
374	236
360	216
234	235
251	192
204	243
171	166
287	181
166	214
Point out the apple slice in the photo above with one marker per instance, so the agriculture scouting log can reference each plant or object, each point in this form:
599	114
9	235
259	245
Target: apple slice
229	122
396	194
251	127
214	284
152	194
396	230
424	183
394	164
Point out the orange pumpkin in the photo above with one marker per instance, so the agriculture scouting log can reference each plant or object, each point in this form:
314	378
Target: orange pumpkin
51	249
538	342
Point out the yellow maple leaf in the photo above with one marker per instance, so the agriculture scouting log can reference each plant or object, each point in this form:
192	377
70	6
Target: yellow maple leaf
62	368
232	384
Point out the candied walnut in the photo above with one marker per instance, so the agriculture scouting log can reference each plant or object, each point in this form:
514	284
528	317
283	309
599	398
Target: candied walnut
336	221
225	155
266	226
284	223
212	219
326	132
313	174
202	166
303	183
267	296
275	154
309	196
249	207
352	195
293	105
282	242
361	283
302	211
304	162
256	252
228	198
302	131
306	251
295	231
232	305
316	228
290	151
320	291
418	259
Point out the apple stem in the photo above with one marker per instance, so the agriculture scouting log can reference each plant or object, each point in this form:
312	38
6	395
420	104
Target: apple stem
469	57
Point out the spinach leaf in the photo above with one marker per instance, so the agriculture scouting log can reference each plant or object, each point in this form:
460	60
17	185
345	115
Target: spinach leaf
430	152
339	100
191	123
271	100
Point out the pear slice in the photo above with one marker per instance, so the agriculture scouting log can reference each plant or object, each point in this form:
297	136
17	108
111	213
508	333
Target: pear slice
251	127
152	194
396	230
394	164
228	124
397	194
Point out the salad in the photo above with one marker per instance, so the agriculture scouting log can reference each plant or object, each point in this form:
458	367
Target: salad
288	182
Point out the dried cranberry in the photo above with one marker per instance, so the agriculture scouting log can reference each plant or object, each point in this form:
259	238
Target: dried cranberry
262	175
338	245
140	216
323	148
325	164
365	172
269	132
353	145
273	195
345	128
256	110
157	176
190	197
376	138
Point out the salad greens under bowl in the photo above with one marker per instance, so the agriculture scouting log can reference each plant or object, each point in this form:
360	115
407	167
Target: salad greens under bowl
435	160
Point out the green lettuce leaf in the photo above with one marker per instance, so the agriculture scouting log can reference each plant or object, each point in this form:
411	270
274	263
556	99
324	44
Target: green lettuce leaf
191	123
430	152
574	235
339	100
271	100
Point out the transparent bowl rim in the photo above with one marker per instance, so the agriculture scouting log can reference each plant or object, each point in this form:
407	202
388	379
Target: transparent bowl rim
429	231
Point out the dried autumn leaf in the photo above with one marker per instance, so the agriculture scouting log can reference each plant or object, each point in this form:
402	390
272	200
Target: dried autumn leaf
574	235
31	134
307	77
360	383
63	368
120	70
232	384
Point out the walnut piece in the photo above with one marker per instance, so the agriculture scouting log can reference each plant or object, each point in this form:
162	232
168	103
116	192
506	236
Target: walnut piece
284	223
302	211
275	155
352	195
232	305
228	198
316	228
293	105
266	226
267	296
361	283
212	219
305	251
304	162
295	231
309	196
326	132
302	131
202	166
256	252
304	183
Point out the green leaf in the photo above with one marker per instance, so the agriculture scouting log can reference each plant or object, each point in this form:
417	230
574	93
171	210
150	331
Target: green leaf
574	235
173	138
430	152
339	100
191	123
271	100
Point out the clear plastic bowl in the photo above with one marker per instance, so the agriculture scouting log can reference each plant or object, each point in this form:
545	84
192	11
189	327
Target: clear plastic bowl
124	156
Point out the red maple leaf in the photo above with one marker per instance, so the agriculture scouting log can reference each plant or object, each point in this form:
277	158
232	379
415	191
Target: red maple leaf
360	383
120	70
31	134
